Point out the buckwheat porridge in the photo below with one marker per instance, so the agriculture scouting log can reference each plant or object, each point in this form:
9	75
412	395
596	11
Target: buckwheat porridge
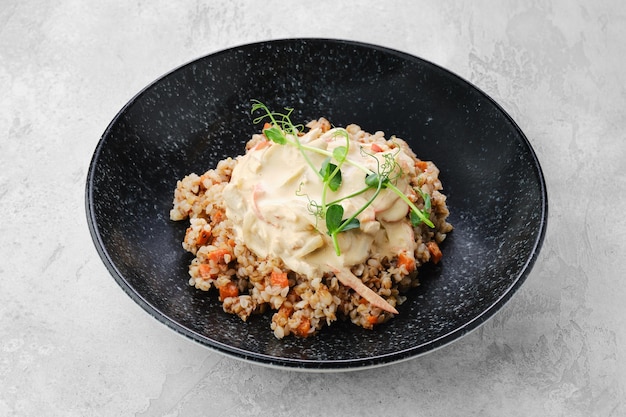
313	224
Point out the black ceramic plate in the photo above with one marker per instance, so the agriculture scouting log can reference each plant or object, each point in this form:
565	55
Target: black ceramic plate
200	113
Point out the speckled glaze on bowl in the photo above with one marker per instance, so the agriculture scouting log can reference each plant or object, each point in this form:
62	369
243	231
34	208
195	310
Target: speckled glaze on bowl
200	113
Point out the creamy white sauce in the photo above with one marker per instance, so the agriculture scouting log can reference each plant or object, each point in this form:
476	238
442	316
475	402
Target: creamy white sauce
269	195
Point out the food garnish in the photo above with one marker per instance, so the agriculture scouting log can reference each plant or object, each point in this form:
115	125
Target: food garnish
281	130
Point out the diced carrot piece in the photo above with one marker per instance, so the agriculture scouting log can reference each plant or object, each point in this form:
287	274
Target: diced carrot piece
303	328
372	320
228	290
435	251
422	165
203	237
279	279
267	125
218	255
376	148
205	271
285	311
406	260
218	216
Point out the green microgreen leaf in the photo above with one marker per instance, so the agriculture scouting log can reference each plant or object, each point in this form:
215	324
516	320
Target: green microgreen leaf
352	223
275	135
340	153
371	180
334	215
326	169
335	181
423	215
336	224
415	219
331	174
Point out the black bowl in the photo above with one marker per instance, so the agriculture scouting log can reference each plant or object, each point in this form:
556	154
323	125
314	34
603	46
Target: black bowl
200	113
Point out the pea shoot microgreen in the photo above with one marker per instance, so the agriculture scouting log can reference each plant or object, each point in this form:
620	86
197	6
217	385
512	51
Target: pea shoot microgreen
282	131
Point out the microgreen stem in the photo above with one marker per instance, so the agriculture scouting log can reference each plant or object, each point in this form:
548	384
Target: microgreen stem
366	205
335	240
324	152
347	197
413	207
325	188
340	156
302	148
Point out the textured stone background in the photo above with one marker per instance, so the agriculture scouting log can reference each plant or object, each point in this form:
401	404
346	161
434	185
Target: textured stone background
73	344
